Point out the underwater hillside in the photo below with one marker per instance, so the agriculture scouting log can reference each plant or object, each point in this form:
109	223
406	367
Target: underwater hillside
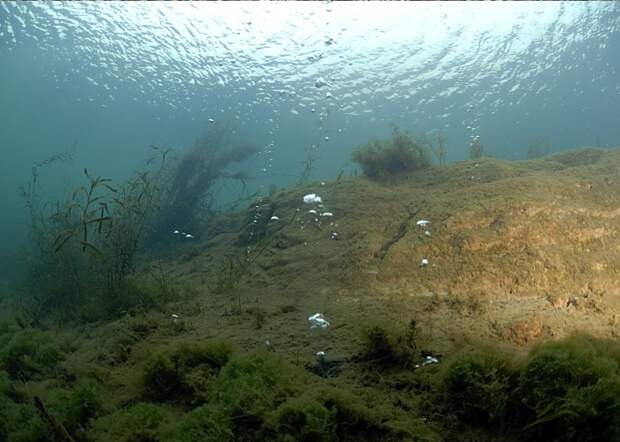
318	221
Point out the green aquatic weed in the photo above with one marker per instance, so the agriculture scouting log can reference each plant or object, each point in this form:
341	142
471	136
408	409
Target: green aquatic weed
399	154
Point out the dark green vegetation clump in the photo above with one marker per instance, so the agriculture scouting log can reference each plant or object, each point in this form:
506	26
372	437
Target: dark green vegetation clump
572	390
566	390
207	393
18	419
260	397
28	357
84	403
142	422
27	354
399	154
189	194
477	387
185	373
384	344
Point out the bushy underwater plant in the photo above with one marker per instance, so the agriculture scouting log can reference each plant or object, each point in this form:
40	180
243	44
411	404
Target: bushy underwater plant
190	194
476	149
26	354
85	246
185	373
565	390
399	154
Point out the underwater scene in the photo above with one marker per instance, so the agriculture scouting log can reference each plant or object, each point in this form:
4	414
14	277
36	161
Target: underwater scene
309	221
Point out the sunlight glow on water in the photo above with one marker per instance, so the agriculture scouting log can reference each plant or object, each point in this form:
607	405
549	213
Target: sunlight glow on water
412	54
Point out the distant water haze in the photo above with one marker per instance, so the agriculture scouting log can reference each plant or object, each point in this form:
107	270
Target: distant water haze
115	77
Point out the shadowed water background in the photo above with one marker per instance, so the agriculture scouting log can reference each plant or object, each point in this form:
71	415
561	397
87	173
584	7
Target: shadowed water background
116	77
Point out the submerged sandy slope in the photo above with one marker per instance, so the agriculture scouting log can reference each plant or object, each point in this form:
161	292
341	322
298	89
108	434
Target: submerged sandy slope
517	252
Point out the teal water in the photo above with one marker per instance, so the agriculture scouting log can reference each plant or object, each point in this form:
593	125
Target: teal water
113	78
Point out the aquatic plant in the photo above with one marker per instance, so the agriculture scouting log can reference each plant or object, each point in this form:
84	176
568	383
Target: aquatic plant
565	390
248	388
305	419
259	315
256	241
19	420
185	373
215	354
538	147
161	379
228	275
476	149
354	420
308	163
385	344
86	245
571	389
399	154
439	149
257	222
478	386
27	354
85	403
189	195
142	422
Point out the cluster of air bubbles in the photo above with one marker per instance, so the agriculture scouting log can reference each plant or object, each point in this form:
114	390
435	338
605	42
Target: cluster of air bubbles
318	321
182	234
473	133
262	210
428	361
268	153
424	225
323	115
318	214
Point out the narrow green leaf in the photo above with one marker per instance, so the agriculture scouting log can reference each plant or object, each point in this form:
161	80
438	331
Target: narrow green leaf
88	246
61	243
98	220
63	234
